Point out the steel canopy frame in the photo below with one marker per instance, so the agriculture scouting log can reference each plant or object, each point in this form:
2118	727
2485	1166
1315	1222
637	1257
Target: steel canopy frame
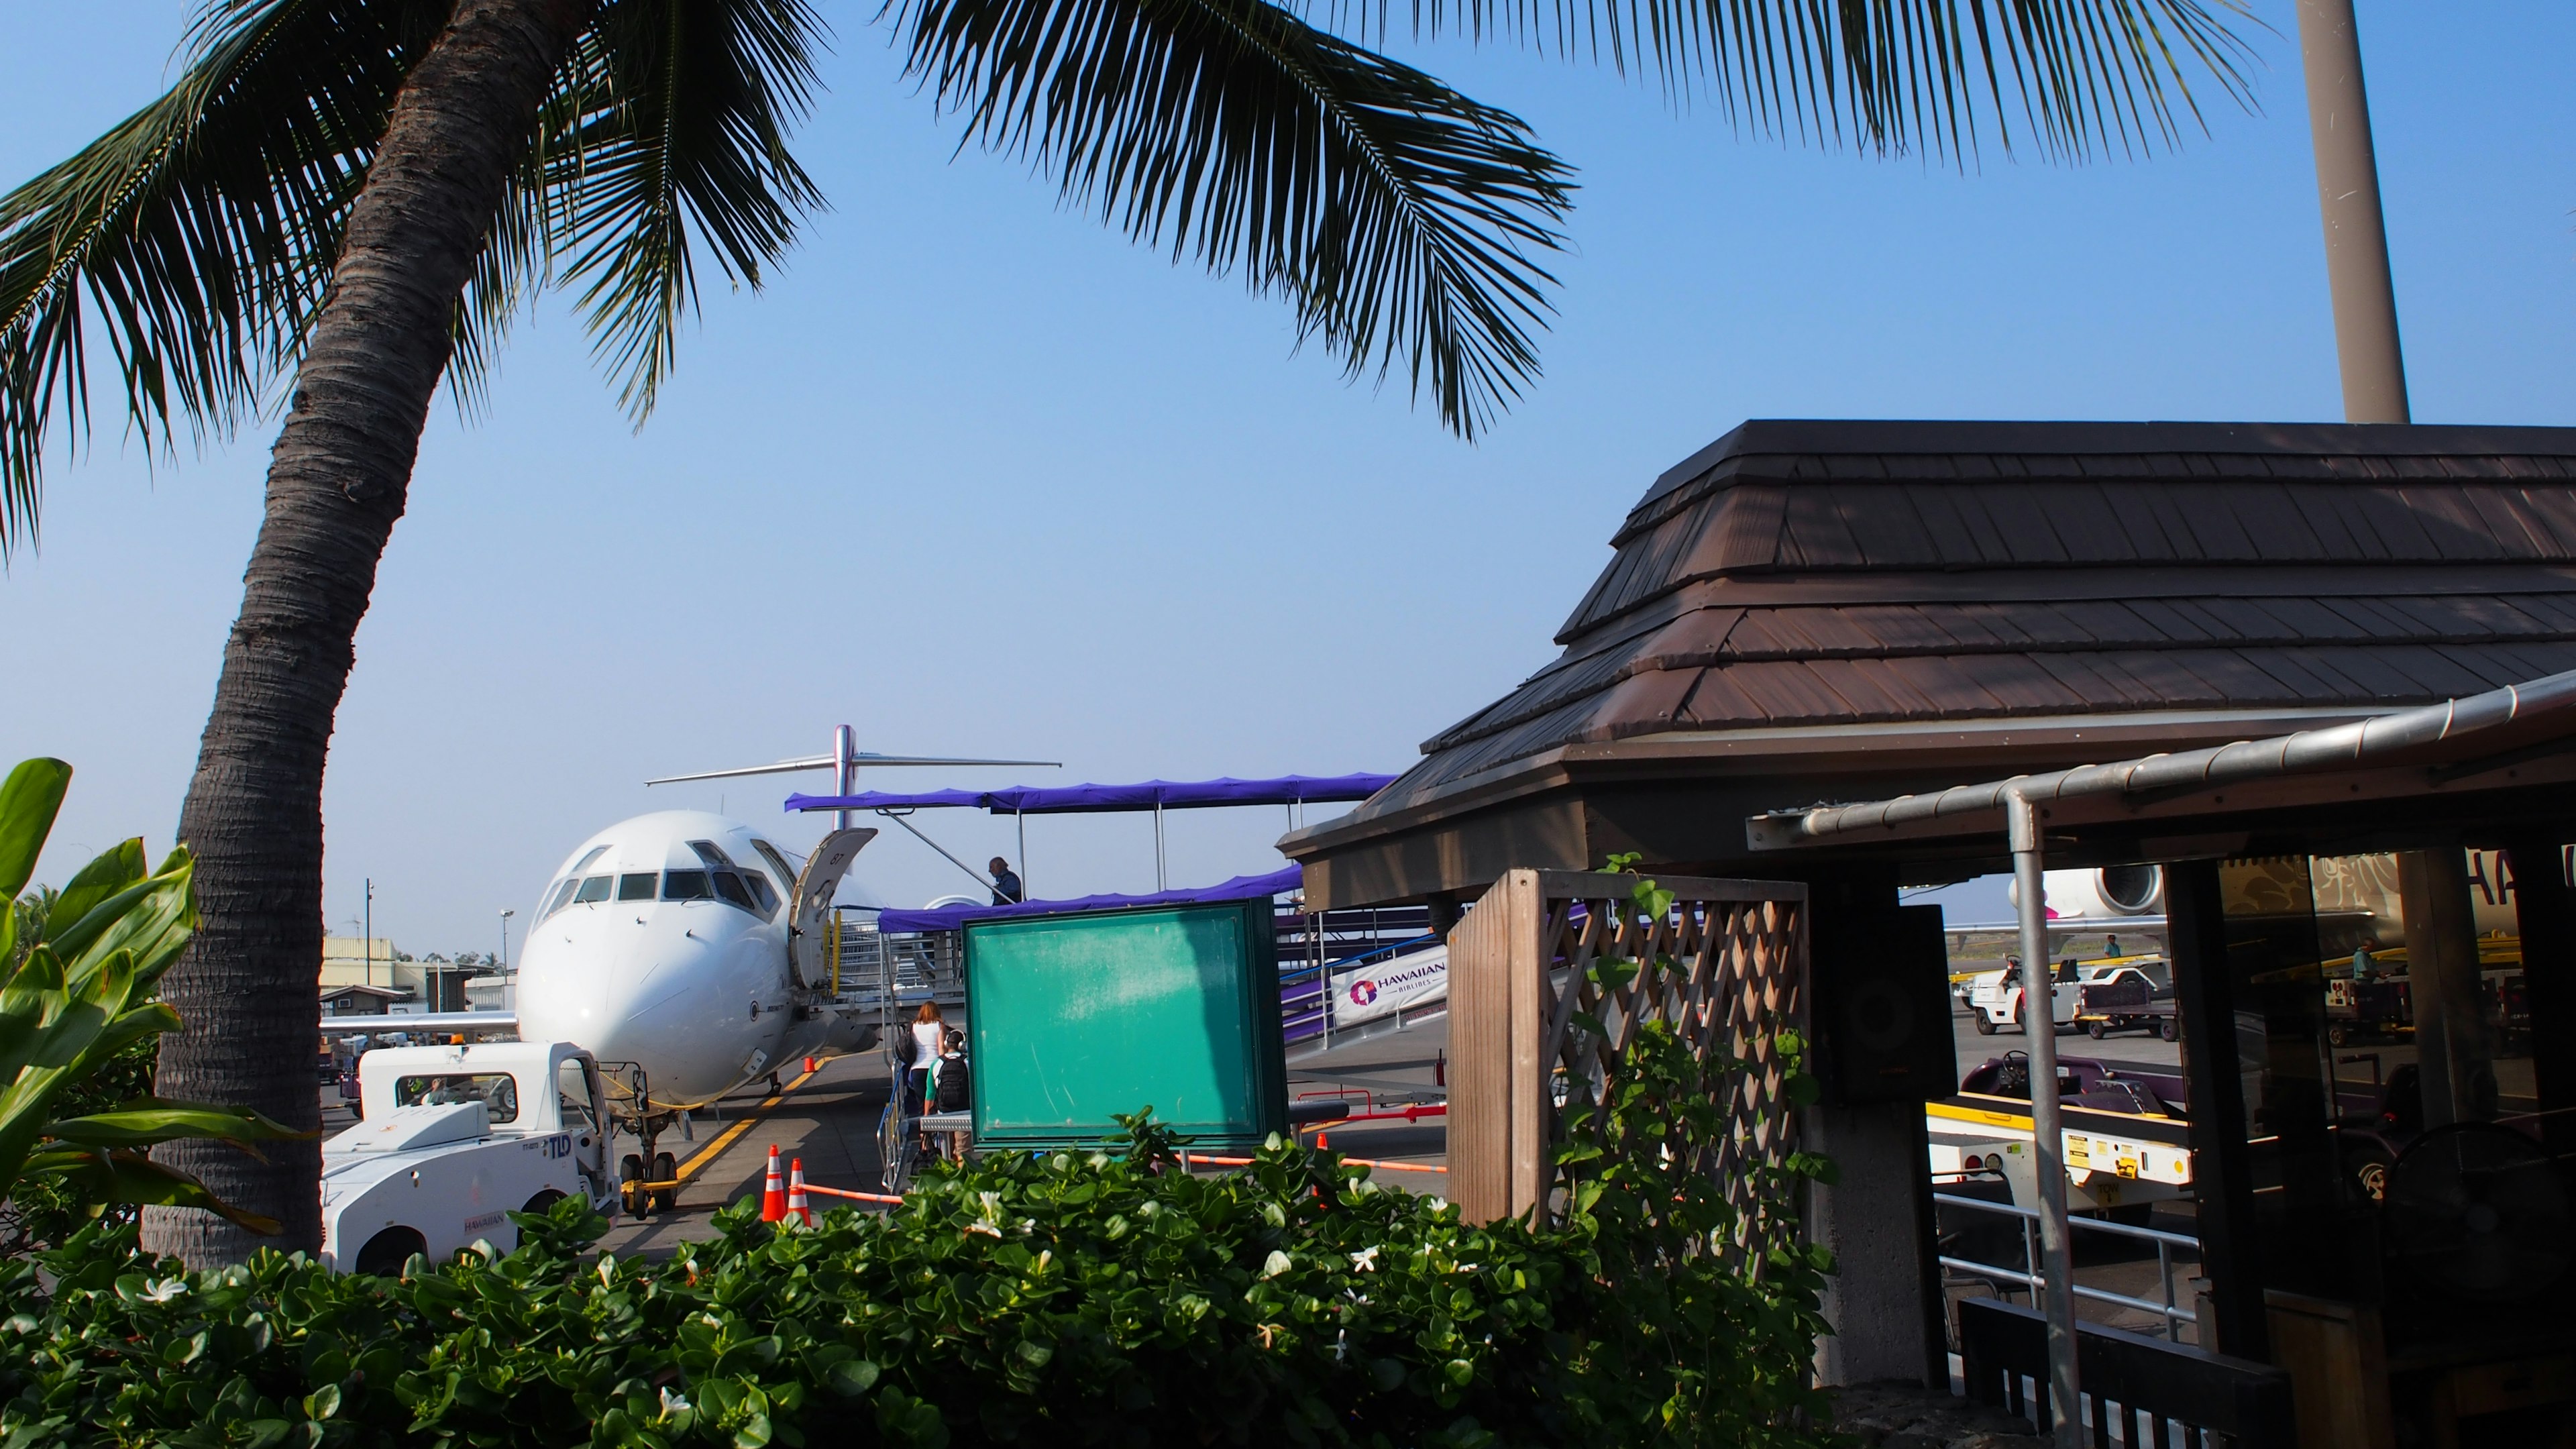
2496	727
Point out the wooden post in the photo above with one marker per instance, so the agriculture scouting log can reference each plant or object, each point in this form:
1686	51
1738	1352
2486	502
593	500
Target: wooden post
2545	908
1497	1133
2221	1166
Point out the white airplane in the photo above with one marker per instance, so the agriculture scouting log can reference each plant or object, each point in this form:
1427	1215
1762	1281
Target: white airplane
689	954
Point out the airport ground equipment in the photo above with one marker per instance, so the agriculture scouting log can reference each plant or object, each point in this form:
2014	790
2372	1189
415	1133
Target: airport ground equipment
2124	1147
1994	998
454	1139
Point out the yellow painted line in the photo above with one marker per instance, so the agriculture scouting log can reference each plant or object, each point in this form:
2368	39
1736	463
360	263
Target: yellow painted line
727	1137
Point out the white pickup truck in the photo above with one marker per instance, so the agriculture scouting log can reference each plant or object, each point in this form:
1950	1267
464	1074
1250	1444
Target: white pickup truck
1994	998
454	1139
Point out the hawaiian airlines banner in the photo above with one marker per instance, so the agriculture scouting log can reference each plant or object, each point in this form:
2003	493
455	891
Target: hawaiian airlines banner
1383	988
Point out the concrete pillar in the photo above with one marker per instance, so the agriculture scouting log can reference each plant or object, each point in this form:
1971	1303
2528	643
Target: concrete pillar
1867	1217
2451	1050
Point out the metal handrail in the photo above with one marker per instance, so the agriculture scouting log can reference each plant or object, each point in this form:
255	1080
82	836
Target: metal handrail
2173	1314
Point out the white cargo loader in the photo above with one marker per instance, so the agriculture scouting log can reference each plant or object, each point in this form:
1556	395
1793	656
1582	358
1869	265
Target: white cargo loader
455	1139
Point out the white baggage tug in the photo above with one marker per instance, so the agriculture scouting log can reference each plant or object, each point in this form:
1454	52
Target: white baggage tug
455	1139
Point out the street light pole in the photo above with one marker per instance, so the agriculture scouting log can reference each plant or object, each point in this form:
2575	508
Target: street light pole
367	940
505	941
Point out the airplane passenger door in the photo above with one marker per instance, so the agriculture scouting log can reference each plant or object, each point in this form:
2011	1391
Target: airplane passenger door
808	948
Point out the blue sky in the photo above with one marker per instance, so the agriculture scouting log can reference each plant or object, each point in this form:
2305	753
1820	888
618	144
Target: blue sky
977	476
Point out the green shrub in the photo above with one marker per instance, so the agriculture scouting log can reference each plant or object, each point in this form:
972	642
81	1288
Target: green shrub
1100	1298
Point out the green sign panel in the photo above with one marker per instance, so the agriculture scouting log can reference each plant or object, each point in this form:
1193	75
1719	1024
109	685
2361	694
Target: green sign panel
1077	1018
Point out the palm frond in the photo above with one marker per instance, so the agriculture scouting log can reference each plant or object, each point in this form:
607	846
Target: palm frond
200	232
2079	77
1401	218
682	117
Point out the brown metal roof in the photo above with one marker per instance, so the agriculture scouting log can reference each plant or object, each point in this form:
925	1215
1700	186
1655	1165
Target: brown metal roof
1811	574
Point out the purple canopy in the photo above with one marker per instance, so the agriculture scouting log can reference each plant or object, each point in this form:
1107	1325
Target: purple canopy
1068	799
949	918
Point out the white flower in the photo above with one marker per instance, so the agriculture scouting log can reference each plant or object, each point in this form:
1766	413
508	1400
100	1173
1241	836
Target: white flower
987	1229
673	1403
165	1290
1365	1260
1276	1264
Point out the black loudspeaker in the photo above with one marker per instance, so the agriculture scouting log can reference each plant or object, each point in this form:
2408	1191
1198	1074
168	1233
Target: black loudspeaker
1881	982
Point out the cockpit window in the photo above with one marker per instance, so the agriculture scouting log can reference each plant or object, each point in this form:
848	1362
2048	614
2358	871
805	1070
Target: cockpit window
763	898
636	887
561	894
686	885
777	862
593	888
730	887
708	852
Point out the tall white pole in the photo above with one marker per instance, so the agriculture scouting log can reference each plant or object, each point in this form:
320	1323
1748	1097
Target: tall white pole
1022	817
2048	1129
367	939
1158	847
2365	300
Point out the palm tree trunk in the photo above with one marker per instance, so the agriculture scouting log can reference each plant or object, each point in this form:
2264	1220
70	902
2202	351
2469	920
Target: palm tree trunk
336	482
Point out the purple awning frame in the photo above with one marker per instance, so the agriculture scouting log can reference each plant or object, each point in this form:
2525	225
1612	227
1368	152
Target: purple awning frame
1241	888
1146	795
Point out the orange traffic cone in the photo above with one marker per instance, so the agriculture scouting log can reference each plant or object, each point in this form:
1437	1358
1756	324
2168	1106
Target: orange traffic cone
1323	1140
773	1195
809	1066
799	1211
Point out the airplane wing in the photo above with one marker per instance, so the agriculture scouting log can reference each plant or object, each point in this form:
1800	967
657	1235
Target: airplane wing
432	1022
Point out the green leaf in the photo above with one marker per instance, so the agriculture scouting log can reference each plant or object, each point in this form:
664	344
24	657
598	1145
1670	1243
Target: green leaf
152	1120
323	1402
113	871
130	1177
29	800
851	1377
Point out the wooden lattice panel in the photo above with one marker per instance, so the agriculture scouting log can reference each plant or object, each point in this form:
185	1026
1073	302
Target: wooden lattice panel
1519	973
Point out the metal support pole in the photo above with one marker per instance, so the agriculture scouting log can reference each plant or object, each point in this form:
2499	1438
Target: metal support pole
2048	1130
1022	817
845	747
1158	847
367	940
2365	300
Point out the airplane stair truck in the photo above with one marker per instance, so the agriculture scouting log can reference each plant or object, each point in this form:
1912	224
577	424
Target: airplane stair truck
454	1140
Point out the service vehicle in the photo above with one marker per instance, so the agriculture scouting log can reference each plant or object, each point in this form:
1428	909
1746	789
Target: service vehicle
1994	998
2127	998
456	1138
2125	1146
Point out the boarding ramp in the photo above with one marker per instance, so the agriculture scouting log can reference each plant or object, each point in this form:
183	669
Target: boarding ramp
886	975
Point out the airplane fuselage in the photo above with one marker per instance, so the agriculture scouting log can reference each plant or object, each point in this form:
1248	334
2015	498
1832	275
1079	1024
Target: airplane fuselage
664	941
